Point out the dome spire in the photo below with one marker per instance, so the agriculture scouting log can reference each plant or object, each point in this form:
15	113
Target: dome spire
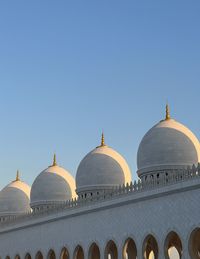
167	117
54	160
102	140
17	176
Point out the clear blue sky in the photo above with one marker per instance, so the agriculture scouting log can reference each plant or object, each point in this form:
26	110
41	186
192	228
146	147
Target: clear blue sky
69	69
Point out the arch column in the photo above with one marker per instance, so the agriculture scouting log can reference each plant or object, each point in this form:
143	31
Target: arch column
185	254
139	249
161	253
101	248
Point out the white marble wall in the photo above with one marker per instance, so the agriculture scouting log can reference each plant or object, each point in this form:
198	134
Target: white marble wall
157	212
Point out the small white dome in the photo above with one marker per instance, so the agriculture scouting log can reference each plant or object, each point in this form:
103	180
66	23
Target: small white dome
15	199
103	168
168	145
51	186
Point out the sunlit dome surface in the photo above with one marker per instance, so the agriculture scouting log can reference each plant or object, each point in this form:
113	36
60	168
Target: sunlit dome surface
53	185
168	145
102	168
15	198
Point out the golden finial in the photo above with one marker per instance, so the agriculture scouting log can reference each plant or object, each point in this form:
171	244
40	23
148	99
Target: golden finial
167	113
102	140
17	176
54	160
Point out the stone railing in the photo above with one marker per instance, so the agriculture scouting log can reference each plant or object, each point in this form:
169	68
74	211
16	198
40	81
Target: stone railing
151	182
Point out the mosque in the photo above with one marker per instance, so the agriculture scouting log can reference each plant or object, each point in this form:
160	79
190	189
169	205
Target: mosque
103	213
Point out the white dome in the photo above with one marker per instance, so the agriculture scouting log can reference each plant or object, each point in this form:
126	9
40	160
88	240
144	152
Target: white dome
51	186
168	145
102	168
15	199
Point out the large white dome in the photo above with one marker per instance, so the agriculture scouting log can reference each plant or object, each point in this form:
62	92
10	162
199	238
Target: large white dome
168	145
52	186
103	168
15	198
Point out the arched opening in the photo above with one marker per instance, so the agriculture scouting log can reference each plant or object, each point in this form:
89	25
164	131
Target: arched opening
129	249
17	257
39	255
173	253
111	250
7	257
51	254
173	246
78	253
28	256
194	244
94	252
151	255
150	248
64	254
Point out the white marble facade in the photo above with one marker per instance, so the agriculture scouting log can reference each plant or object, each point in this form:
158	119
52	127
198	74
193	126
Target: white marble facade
103	213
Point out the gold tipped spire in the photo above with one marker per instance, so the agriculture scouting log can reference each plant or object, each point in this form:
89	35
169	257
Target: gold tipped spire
167	117
102	140
54	160
17	176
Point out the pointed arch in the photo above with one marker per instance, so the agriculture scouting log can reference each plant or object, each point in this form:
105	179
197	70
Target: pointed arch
78	252
64	253
27	256
150	247
39	255
194	244
172	242
111	251
17	257
51	254
129	249
94	251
